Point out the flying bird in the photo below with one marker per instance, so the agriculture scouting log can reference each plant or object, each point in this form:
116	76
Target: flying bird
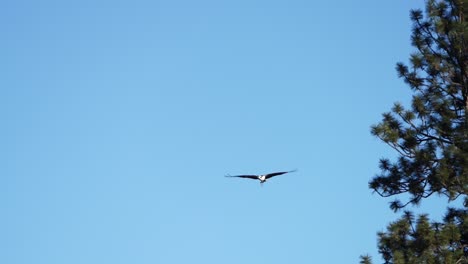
262	178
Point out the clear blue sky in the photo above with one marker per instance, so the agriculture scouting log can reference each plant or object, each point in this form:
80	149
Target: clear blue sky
119	120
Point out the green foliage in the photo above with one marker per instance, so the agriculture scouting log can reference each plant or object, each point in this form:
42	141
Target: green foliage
365	260
407	241
431	137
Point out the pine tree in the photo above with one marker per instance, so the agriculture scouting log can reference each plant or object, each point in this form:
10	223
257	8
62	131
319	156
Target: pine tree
432	136
410	241
431	139
365	260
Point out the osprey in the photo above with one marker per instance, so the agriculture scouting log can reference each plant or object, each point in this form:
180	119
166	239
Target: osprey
262	178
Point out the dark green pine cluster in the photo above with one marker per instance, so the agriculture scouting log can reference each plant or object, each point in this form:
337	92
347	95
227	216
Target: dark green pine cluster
431	139
410	241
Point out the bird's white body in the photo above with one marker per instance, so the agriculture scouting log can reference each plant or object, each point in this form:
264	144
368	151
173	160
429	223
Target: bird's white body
262	178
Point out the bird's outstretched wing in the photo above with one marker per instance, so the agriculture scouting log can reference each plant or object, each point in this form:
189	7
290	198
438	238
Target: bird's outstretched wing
269	175
254	177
